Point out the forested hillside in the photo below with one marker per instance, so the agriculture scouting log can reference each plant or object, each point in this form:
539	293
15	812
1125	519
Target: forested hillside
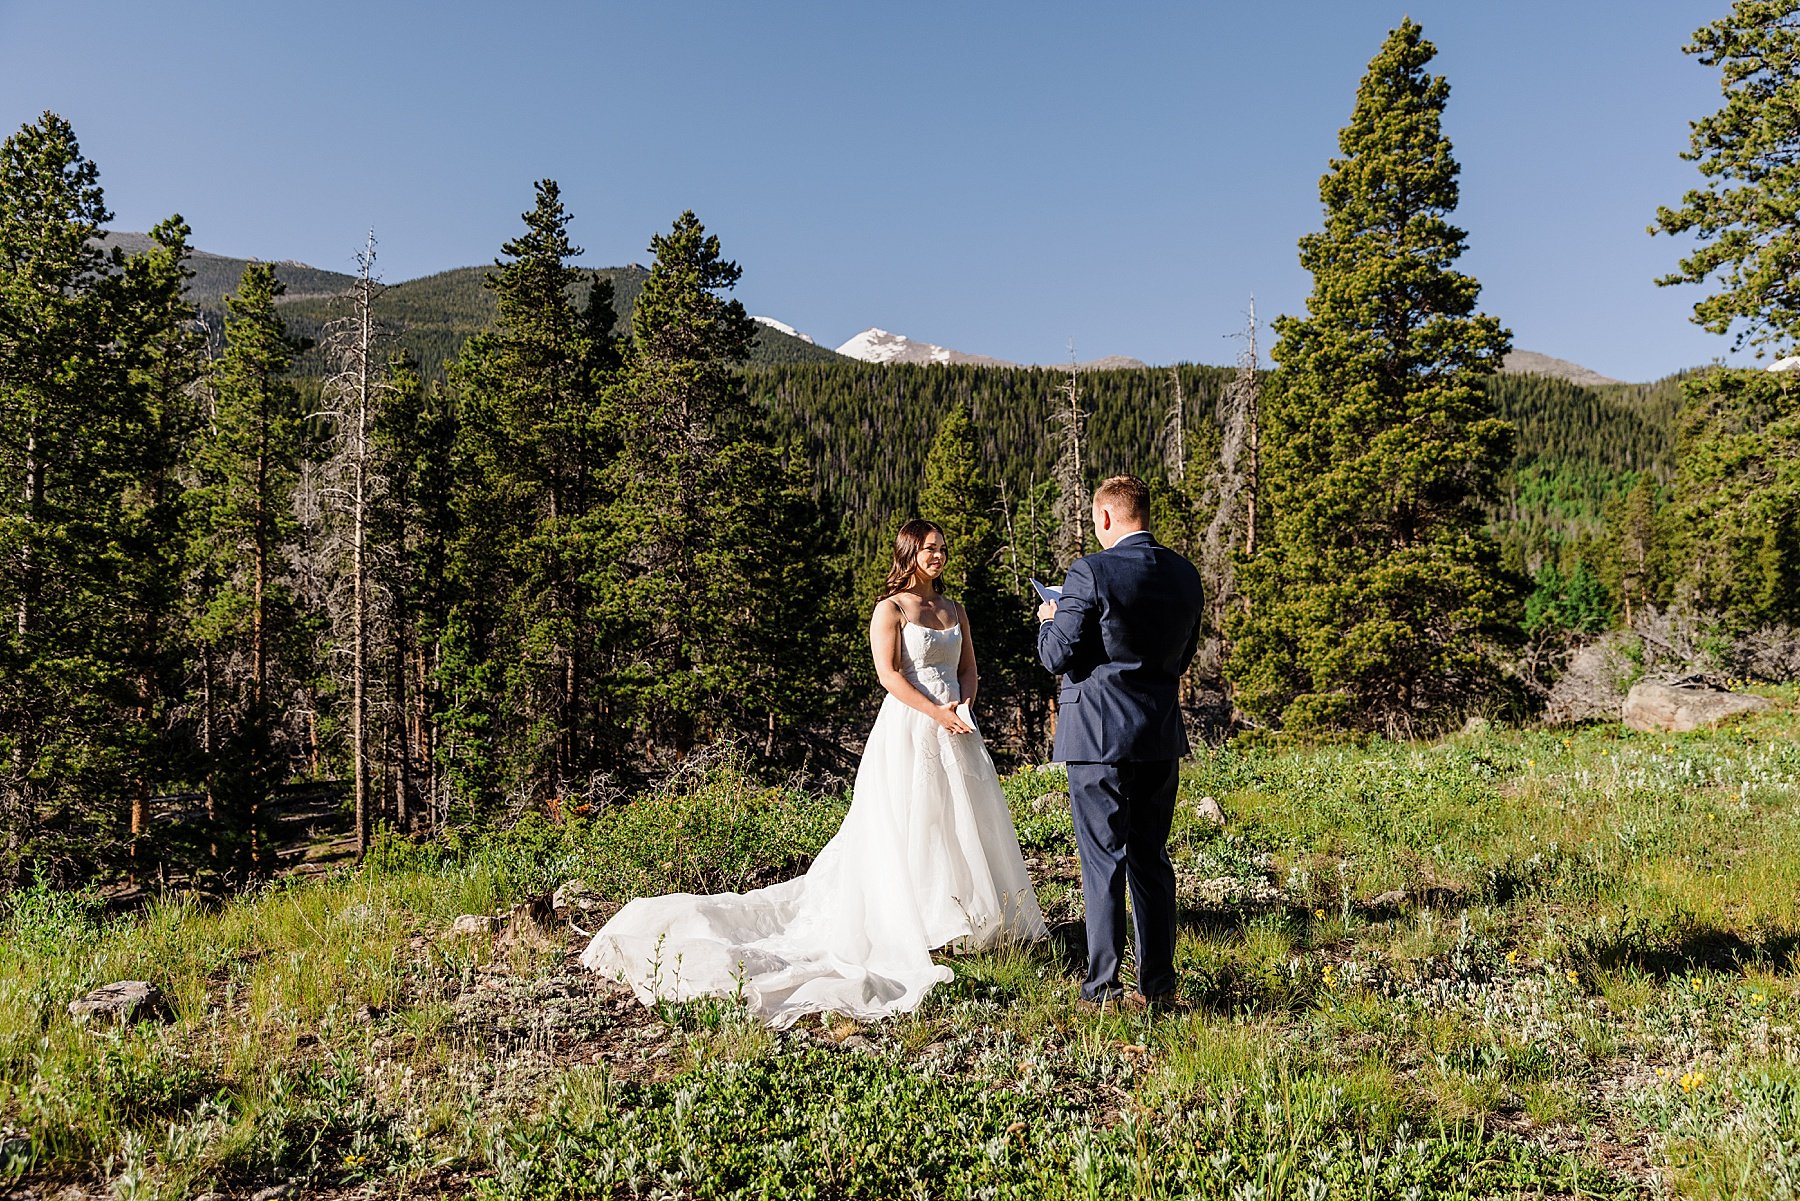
1578	448
865	429
431	316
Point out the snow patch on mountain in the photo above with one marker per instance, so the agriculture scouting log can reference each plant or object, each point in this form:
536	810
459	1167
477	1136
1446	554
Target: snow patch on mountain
785	328
879	346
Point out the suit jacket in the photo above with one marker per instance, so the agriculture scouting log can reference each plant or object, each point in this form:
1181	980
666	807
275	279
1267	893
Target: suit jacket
1125	630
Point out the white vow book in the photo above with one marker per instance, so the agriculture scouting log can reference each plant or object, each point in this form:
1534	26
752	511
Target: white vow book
1049	592
967	716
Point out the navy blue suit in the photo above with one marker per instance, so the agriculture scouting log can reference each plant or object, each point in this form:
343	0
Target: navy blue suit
1125	630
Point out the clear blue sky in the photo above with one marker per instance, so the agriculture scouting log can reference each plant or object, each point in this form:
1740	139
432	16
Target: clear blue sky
996	177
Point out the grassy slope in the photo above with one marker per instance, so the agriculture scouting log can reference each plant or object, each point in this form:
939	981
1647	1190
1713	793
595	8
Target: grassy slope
1591	986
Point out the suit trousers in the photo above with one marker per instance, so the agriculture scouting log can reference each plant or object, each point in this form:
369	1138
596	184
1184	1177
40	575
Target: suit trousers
1122	816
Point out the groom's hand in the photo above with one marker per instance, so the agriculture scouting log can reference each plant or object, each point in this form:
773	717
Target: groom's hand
1046	611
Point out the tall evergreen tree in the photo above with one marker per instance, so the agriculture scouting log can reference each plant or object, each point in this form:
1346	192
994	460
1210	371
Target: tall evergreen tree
532	427
959	496
1632	561
80	332
1747	216
67	421
249	625
415	440
166	345
723	581
1378	593
1727	532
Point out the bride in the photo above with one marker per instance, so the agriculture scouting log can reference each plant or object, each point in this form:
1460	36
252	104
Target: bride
926	857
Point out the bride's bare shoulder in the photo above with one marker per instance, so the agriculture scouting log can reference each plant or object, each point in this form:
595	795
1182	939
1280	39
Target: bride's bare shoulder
889	611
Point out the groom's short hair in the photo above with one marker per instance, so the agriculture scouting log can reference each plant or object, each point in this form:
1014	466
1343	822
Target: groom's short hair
1127	496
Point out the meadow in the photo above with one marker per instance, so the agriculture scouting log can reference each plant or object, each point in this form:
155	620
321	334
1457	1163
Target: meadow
1510	963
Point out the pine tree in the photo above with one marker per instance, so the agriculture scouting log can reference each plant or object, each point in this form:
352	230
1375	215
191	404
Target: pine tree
249	625
1747	217
723	582
414	442
958	496
1377	595
69	414
533	425
166	345
1726	533
1633	562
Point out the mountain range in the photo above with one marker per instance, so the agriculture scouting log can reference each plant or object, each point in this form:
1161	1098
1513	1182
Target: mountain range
434	314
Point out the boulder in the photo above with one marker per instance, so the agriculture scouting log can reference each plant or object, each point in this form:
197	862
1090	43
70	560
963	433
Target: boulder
472	925
1671	709
1210	809
125	1001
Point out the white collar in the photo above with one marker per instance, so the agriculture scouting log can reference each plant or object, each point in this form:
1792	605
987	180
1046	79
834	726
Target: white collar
1129	537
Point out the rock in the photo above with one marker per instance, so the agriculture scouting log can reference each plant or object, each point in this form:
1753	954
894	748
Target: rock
857	1042
1210	809
1477	724
275	1192
1667	709
472	925
575	896
1386	902
125	1001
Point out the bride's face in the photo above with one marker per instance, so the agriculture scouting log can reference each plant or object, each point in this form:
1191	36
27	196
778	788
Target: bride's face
933	556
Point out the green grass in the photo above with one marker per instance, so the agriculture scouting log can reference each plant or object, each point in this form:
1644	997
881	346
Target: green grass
1591	989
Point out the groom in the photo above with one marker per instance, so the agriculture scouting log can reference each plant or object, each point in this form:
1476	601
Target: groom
1121	636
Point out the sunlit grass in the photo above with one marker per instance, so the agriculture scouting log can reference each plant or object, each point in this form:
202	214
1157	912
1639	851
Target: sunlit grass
1597	938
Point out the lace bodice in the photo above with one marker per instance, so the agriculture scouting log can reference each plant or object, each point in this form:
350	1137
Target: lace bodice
931	659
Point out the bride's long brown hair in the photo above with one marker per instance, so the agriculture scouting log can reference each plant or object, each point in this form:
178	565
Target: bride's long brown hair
907	544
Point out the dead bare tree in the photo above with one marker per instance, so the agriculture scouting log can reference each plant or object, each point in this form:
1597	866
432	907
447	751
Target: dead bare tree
1071	475
351	487
1174	434
1234	485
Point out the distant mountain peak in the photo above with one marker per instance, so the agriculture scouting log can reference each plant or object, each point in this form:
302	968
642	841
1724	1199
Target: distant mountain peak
785	328
876	345
1530	362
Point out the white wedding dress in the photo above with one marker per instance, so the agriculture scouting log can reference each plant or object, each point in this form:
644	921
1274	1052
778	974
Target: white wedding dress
927	857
